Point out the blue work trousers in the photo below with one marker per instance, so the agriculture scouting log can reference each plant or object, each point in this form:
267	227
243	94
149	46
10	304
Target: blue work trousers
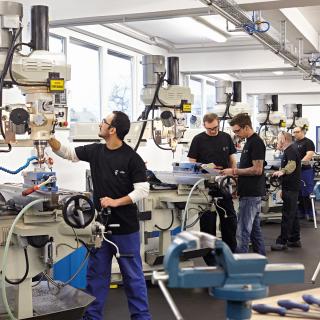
99	274
249	226
307	185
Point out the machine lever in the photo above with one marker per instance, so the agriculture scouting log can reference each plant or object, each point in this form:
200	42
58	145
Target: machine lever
170	300
29	190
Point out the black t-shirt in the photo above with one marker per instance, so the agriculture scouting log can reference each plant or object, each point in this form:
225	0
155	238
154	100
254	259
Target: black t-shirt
252	186
303	146
113	174
216	149
291	181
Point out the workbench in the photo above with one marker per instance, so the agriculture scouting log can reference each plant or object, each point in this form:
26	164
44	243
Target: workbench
295	296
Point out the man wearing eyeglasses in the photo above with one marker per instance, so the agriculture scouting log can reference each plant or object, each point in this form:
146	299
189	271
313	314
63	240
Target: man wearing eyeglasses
306	151
251	185
291	175
214	146
119	181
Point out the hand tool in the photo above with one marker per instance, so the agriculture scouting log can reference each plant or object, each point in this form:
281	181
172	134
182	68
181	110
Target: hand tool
265	309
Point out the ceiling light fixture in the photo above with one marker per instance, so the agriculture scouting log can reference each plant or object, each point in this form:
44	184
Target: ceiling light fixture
278	73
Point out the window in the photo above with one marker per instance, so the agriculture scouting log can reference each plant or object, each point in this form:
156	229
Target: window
84	87
56	44
210	96
119	81
195	86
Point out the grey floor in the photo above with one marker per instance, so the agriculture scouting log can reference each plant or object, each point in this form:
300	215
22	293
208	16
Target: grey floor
197	304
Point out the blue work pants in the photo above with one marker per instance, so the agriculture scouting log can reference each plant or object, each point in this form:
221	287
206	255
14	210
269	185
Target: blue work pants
249	226
307	185
99	274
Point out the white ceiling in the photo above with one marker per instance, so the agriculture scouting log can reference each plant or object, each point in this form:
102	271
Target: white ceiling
181	34
164	23
313	16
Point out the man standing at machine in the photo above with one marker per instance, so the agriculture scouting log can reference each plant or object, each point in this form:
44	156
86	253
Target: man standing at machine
214	146
119	181
291	175
306	151
251	185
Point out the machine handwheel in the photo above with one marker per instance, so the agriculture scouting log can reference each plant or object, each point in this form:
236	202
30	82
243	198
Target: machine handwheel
316	166
78	211
275	181
228	185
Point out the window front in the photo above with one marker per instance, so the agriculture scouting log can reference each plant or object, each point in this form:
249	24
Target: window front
119	82
210	96
84	86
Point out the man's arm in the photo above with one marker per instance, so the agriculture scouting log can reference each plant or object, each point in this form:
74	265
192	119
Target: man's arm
232	161
309	155
64	152
255	170
141	191
192	160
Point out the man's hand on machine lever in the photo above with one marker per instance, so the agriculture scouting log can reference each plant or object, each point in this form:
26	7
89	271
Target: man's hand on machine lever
54	144
108	202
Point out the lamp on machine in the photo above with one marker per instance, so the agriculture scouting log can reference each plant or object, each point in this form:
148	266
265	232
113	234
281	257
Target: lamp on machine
294	117
228	100
167	118
170	102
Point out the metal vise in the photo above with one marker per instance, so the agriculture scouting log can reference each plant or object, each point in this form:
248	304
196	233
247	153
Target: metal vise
237	278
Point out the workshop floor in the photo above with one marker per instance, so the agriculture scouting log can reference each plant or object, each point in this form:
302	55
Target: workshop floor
197	304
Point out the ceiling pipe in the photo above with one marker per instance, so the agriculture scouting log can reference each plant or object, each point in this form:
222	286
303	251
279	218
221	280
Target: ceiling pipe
223	11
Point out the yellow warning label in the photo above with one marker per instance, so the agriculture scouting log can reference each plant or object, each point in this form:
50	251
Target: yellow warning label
56	85
186	107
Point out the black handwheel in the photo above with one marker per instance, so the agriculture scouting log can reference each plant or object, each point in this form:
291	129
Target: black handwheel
275	181
228	185
316	166
78	211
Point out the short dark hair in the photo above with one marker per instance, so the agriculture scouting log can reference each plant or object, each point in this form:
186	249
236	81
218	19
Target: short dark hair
209	117
242	120
121	123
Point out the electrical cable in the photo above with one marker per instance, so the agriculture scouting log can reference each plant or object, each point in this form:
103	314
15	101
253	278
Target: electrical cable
201	213
171	224
113	244
185	213
5	256
223	209
153	136
26	272
145	114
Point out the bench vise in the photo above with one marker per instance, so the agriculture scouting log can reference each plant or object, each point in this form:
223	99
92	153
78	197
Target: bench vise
237	278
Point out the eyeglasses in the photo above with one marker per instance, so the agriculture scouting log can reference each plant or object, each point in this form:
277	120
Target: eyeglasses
237	130
105	121
294	132
213	128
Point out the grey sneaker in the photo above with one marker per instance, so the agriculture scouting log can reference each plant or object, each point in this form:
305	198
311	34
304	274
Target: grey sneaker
294	244
279	247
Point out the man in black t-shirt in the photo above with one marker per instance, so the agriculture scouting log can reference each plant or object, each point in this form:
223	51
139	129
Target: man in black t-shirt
251	185
214	146
291	175
306	151
119	181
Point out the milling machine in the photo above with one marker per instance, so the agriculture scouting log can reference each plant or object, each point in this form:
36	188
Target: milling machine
40	224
